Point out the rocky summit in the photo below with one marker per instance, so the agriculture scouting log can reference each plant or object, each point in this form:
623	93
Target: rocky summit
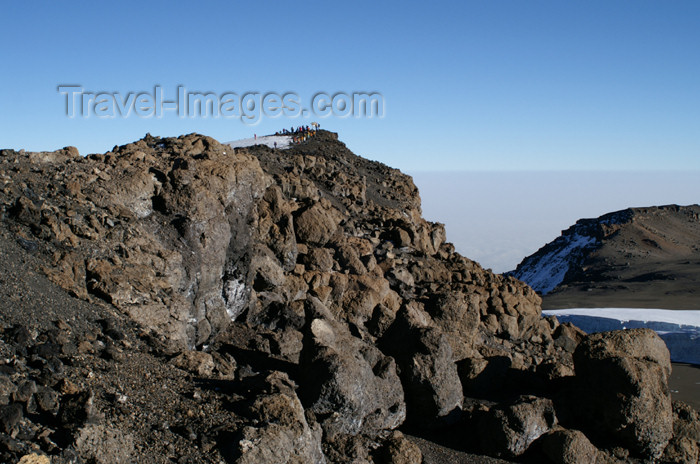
178	300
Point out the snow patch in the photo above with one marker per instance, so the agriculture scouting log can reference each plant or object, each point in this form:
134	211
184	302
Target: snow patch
283	141
236	297
544	273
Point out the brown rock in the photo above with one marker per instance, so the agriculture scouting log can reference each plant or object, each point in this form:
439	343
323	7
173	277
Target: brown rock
457	314
509	430
317	224
104	445
622	378
568	447
684	447
34	458
197	362
399	450
281	433
349	383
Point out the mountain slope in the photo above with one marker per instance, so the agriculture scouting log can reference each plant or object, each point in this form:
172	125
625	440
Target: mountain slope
638	257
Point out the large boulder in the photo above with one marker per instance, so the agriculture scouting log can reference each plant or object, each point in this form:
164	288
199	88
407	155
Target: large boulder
457	314
623	395
428	371
161	229
348	384
316	224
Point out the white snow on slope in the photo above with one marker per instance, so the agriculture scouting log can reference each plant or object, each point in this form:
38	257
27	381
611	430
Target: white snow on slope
283	141
680	329
545	273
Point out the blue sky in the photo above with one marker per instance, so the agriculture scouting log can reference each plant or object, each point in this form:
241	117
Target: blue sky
472	85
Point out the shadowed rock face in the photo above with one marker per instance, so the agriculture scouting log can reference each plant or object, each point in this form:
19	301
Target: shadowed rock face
623	385
324	313
510	429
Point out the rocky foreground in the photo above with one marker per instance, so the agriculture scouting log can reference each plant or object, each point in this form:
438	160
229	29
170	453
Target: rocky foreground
174	300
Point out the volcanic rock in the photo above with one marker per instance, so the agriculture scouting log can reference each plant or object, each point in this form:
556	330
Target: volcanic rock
176	300
564	446
349	385
622	380
510	430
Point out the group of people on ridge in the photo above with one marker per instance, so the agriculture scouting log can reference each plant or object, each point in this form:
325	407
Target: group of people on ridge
300	133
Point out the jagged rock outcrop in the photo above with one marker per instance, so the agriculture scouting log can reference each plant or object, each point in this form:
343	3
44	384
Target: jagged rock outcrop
158	228
293	306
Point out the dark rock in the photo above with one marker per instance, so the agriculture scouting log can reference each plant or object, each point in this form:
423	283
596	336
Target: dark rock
47	350
7	388
47	400
397	449
567	336
622	380
113	353
24	391
77	409
564	446
22	339
10	416
427	369
484	377
281	433
349	384
29	245
509	430
111	330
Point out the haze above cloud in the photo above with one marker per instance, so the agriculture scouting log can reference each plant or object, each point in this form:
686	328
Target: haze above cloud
498	218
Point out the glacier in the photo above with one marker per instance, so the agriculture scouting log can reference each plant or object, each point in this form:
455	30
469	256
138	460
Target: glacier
679	329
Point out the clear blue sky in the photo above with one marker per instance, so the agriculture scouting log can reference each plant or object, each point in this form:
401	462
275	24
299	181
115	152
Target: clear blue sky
470	85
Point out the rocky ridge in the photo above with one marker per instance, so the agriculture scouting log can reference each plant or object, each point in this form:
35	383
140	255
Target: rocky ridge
261	305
